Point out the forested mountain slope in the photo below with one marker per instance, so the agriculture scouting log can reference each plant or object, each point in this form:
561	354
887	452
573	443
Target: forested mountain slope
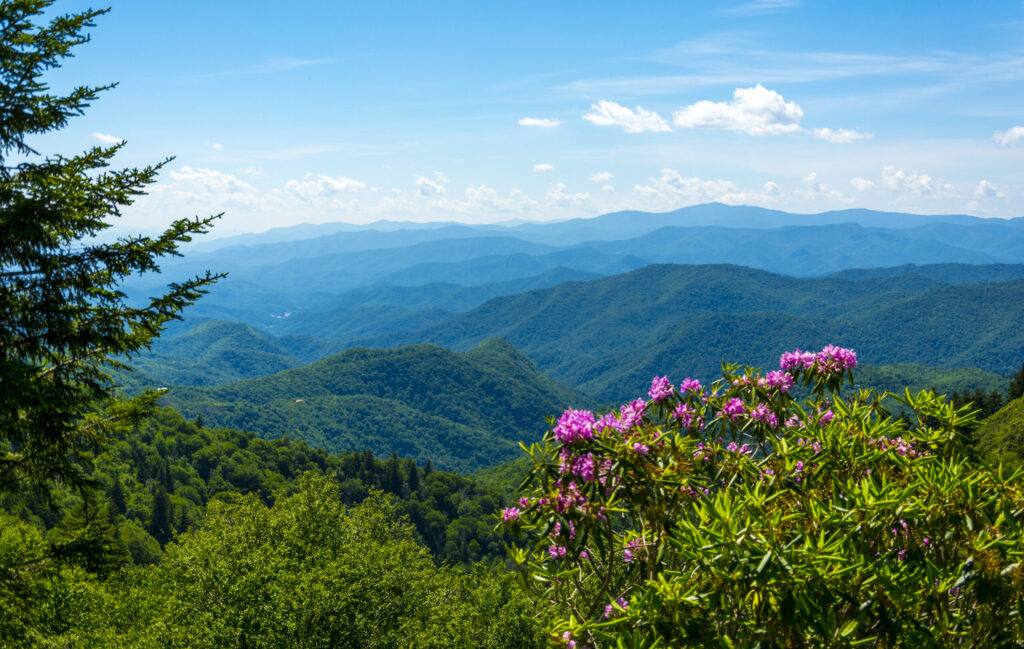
461	410
158	480
1001	436
608	333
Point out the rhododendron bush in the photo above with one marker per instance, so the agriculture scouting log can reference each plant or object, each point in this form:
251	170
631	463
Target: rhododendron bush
738	515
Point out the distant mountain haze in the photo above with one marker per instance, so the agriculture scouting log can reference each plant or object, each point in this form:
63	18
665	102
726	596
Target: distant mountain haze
273	275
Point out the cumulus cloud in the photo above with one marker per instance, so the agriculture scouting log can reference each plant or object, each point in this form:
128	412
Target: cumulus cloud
608	189
190	189
608	113
672	188
542	122
841	136
209	181
861	184
427	187
481	198
901	182
106	139
558	196
816	190
544	166
1009	136
755	111
321	185
602	177
986	189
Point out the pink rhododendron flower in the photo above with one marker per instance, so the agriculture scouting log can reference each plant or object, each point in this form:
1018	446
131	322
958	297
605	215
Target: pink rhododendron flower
692	385
684	413
733	409
832	359
764	414
796	359
510	514
574	426
780	379
630	415
661	388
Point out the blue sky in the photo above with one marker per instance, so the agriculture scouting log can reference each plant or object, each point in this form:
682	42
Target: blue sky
319	111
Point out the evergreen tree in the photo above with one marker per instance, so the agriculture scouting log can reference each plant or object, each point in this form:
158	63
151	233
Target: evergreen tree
160	525
412	473
1016	390
393	474
117	496
63	318
87	537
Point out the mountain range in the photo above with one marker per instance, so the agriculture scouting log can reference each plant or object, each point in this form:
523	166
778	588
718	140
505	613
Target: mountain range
298	270
453	342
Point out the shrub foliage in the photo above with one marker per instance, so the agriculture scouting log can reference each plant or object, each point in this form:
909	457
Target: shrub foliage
738	516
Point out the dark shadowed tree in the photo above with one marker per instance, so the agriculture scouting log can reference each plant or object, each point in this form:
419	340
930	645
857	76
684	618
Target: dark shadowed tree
1016	390
63	317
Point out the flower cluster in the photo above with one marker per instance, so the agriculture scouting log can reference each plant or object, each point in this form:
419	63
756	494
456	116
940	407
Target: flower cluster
733	409
661	389
830	360
574	426
650	494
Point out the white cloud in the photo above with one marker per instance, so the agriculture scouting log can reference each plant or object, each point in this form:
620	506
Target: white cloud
209	181
544	166
861	184
671	189
321	185
216	146
1010	136
986	189
755	111
602	176
841	136
481	198
816	190
253	172
542	122
608	189
427	187
901	182
558	196
198	191
608	113
107	139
